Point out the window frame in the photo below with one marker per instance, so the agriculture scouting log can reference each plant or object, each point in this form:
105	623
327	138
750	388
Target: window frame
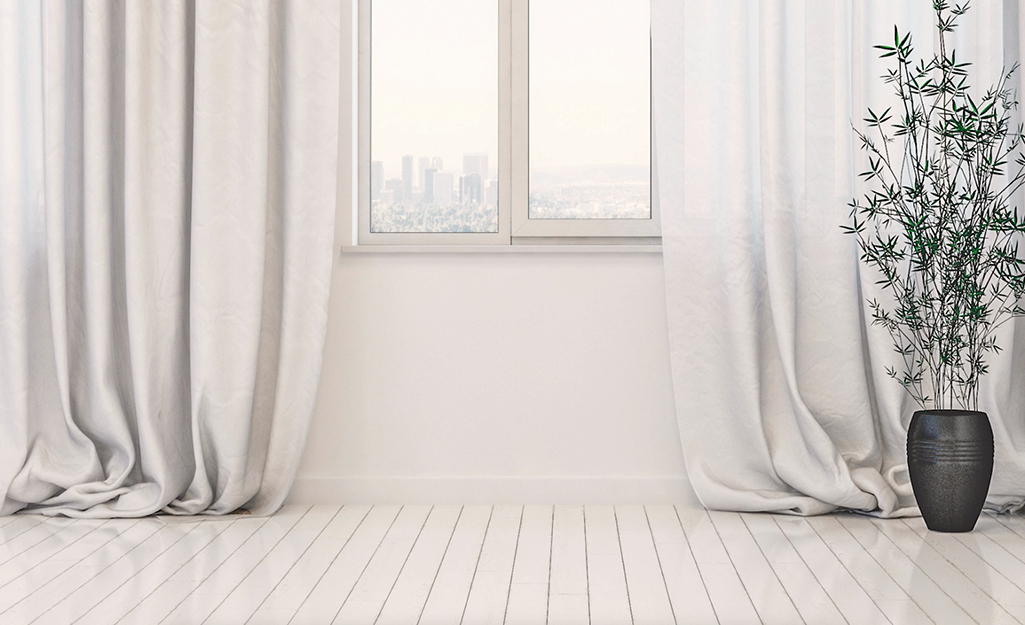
514	225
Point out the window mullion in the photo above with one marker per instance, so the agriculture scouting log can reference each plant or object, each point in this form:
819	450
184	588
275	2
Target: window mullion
520	103
507	130
363	120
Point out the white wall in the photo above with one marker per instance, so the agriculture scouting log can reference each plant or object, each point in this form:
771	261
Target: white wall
495	378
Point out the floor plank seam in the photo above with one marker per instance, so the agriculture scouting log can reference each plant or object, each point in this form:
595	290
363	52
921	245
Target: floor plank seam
119	586
658	558
693	557
330	564
297	560
444	554
810	568
953	564
587	569
365	566
875	560
257	564
775	574
173	573
476	567
747	592
926	573
512	570
216	568
62	572
405	562
28	570
622	560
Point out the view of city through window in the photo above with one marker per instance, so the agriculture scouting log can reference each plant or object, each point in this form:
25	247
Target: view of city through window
434	116
420	195
590	120
434	113
595	192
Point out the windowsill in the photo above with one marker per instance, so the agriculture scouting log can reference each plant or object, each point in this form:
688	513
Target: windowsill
502	249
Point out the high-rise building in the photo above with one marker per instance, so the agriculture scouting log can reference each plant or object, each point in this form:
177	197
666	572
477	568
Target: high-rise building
436	163
394	186
407	177
376	179
443	181
476	163
428	176
469	189
422	165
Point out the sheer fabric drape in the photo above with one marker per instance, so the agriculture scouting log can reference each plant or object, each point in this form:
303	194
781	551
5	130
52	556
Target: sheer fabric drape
782	398
167	201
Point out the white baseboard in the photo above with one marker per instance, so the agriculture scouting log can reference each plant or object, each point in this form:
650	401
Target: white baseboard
492	490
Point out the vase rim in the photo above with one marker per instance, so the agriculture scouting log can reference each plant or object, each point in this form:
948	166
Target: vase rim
949	412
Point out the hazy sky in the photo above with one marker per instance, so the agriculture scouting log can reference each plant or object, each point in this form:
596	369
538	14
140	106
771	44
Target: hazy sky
589	82
435	81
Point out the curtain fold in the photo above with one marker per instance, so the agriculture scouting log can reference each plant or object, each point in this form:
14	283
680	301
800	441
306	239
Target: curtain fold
782	398
167	200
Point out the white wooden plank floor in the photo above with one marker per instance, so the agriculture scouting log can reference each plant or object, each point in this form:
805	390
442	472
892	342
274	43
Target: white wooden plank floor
564	565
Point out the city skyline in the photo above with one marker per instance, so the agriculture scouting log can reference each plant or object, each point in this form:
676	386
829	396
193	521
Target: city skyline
434	200
437	163
397	204
425	199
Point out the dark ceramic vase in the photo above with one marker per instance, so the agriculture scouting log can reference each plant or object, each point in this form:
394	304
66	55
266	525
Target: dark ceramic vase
950	459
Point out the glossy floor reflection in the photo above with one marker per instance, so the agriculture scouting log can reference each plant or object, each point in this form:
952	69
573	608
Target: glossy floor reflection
509	564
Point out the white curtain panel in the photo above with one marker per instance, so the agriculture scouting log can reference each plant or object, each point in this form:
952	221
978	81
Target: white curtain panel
167	201
782	397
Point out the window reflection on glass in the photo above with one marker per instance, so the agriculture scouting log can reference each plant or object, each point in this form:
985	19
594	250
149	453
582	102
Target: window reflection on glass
590	120
434	116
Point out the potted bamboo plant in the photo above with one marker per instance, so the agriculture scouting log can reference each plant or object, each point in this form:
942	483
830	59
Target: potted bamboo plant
939	226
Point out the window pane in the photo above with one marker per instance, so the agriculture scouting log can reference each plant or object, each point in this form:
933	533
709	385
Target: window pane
590	126
434	116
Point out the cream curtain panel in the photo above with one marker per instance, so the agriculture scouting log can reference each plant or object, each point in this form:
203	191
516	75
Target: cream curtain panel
167	201
782	398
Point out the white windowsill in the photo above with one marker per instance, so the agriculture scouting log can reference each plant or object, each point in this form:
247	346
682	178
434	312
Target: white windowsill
502	249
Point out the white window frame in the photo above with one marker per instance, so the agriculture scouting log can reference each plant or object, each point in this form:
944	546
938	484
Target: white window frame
514	225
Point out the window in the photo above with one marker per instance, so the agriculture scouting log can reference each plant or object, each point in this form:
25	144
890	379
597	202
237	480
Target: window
505	122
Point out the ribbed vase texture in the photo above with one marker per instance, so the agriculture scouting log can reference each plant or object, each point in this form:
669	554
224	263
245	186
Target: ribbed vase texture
950	459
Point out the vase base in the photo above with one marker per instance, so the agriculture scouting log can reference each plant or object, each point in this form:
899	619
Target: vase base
951	529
